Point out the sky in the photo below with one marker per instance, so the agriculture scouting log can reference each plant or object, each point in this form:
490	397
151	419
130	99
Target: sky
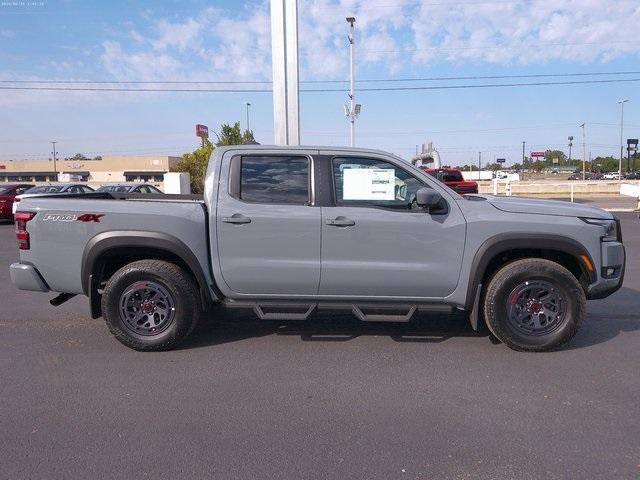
396	40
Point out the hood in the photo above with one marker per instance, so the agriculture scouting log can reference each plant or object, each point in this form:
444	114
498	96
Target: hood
545	207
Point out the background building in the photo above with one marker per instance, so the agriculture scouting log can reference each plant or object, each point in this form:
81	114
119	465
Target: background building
109	169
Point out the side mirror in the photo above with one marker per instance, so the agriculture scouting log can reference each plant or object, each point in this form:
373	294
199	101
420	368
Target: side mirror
427	197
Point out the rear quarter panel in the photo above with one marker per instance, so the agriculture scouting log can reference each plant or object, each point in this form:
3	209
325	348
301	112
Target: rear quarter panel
58	246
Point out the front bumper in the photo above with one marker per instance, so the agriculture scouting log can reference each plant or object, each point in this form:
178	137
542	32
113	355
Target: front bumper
614	257
27	277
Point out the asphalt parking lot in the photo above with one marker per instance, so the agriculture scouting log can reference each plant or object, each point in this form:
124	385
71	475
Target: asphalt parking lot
325	399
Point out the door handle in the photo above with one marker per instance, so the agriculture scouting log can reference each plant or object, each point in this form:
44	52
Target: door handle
236	219
341	222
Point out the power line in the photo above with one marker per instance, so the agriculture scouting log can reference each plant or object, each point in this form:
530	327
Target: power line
371	80
321	90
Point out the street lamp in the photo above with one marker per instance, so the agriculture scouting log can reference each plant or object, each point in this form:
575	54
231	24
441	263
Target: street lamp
570	145
621	103
247	104
352	109
55	168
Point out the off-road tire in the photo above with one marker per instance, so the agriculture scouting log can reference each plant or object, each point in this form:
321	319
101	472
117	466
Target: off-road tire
182	291
516	273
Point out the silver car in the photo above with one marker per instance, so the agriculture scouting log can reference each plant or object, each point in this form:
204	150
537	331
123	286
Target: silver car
51	189
129	188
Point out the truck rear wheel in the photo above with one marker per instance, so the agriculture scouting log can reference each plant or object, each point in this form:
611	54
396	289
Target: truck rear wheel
534	305
151	305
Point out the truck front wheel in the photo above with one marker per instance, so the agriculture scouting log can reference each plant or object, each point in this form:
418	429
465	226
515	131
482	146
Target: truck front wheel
151	305
534	304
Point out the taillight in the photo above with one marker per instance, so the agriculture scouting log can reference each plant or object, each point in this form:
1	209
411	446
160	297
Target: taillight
22	235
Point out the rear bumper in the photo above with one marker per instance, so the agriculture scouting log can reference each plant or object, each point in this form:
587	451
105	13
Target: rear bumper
27	277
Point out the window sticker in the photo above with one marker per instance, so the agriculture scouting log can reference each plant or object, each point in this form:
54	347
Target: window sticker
368	184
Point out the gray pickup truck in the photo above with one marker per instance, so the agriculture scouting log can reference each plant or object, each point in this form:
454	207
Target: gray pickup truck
288	230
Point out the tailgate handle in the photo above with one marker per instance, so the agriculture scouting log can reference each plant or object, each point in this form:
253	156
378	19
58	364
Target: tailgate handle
341	222
236	219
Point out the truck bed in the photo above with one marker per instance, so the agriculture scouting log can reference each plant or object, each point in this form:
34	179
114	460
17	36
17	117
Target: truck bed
66	226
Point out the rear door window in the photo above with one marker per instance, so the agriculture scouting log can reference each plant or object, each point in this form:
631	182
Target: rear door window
275	179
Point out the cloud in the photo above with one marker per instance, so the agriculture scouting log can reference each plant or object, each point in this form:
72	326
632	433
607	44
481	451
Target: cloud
524	32
391	35
141	64
180	35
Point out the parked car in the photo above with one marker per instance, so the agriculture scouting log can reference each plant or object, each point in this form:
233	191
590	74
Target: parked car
51	189
587	176
610	176
129	188
453	179
283	231
7	194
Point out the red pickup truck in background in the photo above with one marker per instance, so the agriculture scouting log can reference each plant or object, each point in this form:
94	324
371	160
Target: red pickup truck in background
453	179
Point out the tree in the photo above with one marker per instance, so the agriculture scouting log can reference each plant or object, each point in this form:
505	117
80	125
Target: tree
549	155
78	157
232	135
493	166
196	162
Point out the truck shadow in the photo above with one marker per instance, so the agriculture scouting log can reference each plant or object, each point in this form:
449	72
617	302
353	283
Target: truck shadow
225	326
606	319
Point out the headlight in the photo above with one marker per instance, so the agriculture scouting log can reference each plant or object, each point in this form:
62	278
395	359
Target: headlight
609	227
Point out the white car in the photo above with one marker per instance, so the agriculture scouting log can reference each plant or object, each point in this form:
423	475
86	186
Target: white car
51	189
610	176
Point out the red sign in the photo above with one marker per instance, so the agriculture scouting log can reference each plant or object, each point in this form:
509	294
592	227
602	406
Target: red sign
202	131
537	154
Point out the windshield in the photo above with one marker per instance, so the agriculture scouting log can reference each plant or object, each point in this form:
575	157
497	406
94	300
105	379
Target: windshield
45	189
113	189
5	189
445	176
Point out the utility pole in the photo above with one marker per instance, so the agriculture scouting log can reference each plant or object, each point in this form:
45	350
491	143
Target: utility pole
55	168
479	163
352	109
284	64
570	145
523	147
621	103
247	104
584	151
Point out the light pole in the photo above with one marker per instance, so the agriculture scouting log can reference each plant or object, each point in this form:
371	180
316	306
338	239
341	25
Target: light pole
570	145
621	103
55	168
584	150
352	109
247	104
523	147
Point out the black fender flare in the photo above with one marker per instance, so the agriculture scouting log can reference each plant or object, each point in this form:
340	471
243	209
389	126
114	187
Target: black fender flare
105	241
505	242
